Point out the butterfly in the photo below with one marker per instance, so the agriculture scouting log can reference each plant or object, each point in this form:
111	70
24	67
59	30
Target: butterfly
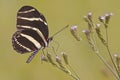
32	32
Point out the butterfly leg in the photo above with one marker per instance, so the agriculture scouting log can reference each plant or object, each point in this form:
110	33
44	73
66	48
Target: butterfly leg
32	56
56	44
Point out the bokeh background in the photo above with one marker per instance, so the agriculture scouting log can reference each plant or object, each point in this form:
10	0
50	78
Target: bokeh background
58	13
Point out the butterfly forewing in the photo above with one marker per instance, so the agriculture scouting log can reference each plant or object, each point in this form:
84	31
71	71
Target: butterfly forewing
29	17
32	31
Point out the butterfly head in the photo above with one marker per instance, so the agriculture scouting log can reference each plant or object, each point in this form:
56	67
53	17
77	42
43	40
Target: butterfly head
50	39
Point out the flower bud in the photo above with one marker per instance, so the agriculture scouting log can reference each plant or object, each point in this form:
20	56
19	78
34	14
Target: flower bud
74	33
65	57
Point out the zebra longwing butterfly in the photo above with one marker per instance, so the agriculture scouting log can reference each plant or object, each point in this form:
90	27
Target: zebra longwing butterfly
32	32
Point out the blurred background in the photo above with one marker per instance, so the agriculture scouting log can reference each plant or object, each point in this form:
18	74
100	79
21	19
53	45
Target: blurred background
58	14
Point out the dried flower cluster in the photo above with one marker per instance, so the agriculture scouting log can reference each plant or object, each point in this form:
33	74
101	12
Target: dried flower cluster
105	19
93	31
61	64
92	28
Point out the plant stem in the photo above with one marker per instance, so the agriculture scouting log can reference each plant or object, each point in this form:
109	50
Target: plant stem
74	72
105	62
110	53
102	59
67	71
107	65
113	63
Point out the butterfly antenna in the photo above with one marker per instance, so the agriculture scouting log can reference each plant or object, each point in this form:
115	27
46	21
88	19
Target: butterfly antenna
59	31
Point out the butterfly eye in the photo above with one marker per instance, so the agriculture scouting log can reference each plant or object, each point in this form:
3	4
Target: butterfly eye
50	39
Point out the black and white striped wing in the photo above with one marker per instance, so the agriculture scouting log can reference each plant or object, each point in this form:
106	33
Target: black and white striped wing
32	31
